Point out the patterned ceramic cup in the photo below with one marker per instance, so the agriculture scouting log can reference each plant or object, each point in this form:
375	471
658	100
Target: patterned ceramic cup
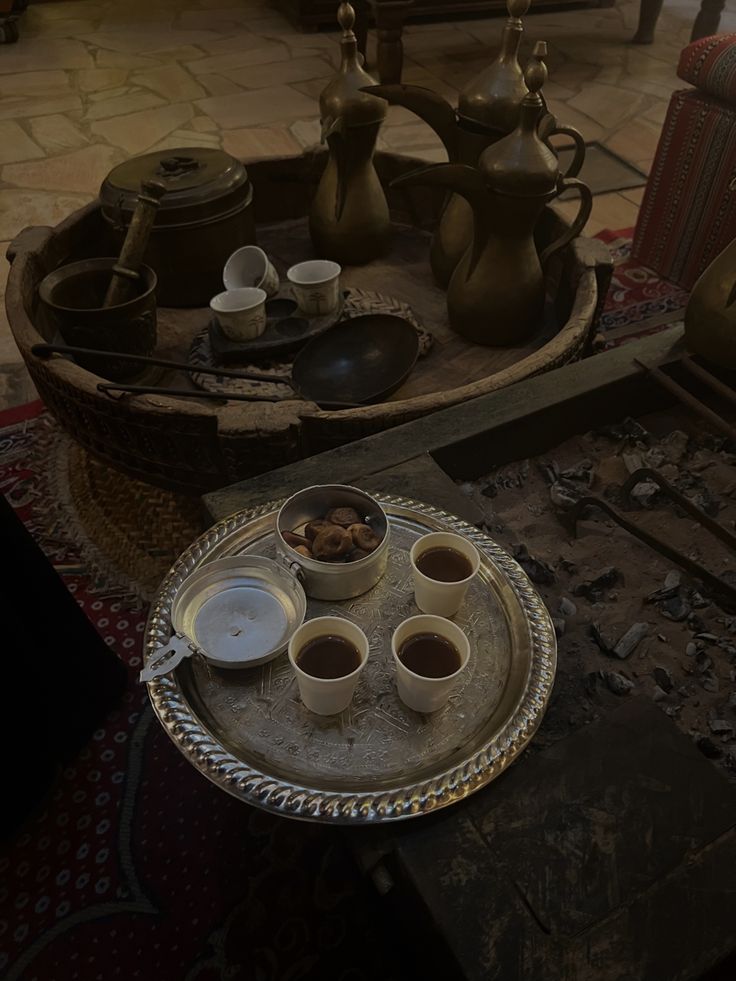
250	266
316	286
241	314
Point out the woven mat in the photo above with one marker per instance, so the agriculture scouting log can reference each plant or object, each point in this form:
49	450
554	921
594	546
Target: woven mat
357	303
129	532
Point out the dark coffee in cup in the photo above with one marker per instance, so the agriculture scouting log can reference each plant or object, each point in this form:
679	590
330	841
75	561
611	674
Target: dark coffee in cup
328	657
444	565
430	655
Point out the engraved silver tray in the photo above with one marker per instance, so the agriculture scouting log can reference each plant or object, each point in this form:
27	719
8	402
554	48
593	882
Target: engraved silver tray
248	732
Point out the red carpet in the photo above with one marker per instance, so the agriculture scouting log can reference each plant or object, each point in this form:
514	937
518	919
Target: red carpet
138	867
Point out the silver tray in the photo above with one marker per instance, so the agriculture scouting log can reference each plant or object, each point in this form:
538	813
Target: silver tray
248	732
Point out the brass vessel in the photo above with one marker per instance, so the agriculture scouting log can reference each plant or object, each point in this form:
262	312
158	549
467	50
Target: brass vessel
710	315
349	219
488	109
496	293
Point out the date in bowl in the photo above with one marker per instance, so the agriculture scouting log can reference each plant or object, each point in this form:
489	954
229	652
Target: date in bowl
343	571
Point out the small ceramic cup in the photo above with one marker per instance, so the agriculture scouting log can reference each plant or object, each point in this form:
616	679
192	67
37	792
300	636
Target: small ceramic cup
427	694
442	599
327	696
250	266
316	286
241	313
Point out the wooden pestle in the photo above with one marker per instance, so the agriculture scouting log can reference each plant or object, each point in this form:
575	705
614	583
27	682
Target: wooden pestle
125	271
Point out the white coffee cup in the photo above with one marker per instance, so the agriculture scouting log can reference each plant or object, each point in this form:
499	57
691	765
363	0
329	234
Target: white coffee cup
250	266
327	696
443	599
240	313
316	286
420	693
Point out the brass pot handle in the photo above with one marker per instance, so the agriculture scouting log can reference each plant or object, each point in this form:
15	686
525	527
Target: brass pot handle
578	158
581	219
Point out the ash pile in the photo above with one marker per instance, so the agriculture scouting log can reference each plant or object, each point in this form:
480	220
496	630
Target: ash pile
629	619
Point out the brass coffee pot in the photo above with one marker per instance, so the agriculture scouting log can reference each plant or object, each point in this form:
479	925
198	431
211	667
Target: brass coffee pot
349	219
496	293
488	109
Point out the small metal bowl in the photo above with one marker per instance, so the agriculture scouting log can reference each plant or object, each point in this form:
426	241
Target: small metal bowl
239	611
333	580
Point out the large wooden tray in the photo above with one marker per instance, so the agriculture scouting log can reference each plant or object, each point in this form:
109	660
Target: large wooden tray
194	446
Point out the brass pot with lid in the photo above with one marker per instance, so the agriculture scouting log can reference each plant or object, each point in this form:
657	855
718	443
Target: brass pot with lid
205	215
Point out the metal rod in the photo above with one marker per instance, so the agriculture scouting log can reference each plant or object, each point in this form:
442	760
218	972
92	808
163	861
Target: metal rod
44	350
713	383
182	393
109	388
687	399
645	473
723	589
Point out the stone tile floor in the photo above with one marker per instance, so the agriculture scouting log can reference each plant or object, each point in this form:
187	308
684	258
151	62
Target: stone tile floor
92	82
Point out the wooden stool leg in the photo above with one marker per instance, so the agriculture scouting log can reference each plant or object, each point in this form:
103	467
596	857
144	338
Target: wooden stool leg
390	16
708	19
649	11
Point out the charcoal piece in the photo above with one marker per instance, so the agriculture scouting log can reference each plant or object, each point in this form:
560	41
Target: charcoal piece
708	748
490	490
663	679
703	662
551	471
568	566
627	644
567	608
592	589
720	727
645	493
707	502
618	684
696	600
675	608
711	683
675	446
663	593
629	430
540	573
582	471
695	623
691	650
633	461
595	633
564	494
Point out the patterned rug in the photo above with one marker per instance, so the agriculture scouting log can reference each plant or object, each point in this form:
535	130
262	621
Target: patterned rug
137	867
638	302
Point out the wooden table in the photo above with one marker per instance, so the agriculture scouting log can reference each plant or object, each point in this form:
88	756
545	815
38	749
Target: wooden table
607	855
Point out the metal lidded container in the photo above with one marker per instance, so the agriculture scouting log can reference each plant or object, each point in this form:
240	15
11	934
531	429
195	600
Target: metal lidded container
205	215
333	580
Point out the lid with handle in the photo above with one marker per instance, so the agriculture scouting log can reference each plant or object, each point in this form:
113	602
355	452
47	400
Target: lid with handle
342	97
492	99
521	164
201	183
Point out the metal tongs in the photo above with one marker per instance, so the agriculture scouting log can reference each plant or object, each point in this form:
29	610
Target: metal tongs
169	656
723	590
